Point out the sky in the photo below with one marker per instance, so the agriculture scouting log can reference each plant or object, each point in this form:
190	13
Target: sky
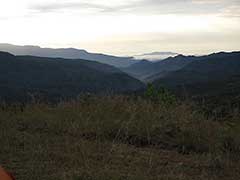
123	27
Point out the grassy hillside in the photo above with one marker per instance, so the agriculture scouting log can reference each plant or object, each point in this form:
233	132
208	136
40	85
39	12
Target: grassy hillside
118	137
55	77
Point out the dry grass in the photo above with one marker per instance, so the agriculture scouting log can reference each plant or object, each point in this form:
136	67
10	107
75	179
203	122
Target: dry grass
116	138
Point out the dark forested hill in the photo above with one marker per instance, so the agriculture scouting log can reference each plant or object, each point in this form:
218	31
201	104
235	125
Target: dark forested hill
21	75
212	74
68	53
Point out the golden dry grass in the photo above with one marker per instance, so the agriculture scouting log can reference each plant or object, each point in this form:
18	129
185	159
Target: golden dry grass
117	137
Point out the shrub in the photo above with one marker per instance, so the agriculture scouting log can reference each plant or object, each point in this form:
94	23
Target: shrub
160	95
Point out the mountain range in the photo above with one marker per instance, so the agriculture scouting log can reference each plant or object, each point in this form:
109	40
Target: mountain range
67	53
214	74
217	73
148	71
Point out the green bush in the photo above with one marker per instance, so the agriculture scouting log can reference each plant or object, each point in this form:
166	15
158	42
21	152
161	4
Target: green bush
160	95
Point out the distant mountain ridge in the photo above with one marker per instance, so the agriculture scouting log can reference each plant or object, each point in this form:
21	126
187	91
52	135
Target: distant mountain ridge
68	53
154	56
57	77
148	71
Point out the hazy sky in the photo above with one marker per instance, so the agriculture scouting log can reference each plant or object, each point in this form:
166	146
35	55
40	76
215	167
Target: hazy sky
123	27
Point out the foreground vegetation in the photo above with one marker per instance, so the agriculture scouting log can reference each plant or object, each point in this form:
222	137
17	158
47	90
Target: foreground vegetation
118	138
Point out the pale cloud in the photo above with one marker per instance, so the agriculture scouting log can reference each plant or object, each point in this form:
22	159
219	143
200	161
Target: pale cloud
123	26
142	7
232	11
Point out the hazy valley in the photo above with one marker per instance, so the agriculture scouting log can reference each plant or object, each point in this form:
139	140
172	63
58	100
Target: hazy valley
64	116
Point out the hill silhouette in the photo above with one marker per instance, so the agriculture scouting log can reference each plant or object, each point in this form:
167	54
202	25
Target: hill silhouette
211	74
55	77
